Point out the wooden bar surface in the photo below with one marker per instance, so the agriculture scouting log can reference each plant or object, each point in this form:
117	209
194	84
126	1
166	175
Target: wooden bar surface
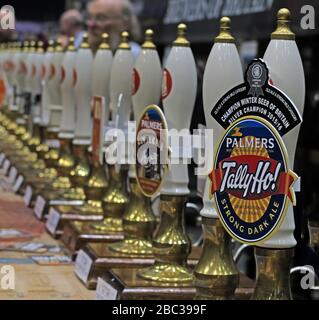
33	281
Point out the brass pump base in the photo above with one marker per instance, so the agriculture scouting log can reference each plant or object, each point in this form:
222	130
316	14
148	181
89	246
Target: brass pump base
94	189
72	170
66	160
96	185
133	247
273	274
114	202
138	225
216	275
108	225
75	194
64	165
91	206
81	171
61	183
171	245
167	273
47	174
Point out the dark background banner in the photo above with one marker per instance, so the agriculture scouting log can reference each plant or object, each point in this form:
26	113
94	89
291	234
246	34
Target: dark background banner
251	19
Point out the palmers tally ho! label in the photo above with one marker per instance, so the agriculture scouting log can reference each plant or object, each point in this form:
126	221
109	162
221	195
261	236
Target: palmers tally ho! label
251	181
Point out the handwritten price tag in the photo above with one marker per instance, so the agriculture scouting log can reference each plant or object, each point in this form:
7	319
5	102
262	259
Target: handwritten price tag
12	175
39	207
28	195
53	220
83	265
17	185
6	166
105	291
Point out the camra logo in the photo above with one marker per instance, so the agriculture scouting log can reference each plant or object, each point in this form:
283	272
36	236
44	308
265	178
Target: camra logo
251	181
7	18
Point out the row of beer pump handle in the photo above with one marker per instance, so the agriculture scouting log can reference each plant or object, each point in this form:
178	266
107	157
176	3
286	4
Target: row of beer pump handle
67	81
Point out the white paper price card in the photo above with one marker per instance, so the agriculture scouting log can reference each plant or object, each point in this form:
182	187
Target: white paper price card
83	265
28	195
6	166
53	220
2	157
17	185
104	291
12	175
39	207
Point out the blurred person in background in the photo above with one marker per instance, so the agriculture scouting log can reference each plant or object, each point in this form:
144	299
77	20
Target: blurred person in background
113	17
71	25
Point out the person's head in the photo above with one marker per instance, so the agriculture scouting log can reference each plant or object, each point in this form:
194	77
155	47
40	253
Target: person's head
71	22
113	17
